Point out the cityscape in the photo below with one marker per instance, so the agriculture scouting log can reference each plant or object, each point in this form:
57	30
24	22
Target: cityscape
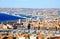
53	13
38	24
29	19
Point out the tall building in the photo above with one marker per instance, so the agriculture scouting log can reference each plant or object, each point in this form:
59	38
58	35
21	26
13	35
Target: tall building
58	13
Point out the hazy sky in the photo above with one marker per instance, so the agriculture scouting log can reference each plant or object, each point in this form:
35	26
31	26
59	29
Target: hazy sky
30	3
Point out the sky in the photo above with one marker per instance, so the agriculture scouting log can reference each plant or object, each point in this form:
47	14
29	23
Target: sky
29	3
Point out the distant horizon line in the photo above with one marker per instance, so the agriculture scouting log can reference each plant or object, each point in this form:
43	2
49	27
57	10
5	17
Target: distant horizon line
32	8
